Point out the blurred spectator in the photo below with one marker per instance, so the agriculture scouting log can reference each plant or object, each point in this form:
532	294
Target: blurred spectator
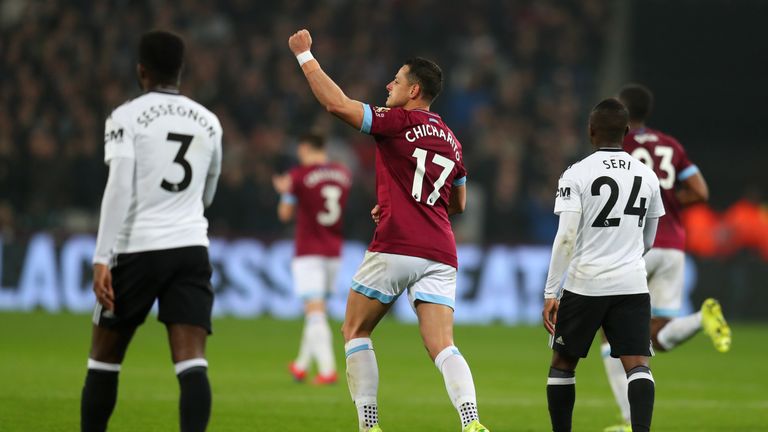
519	76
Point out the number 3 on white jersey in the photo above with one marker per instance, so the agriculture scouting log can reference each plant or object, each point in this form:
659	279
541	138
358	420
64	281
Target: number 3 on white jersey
332	195
665	153
418	176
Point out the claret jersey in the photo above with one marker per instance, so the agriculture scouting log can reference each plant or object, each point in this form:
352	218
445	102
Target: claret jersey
418	162
320	192
175	143
614	193
667	158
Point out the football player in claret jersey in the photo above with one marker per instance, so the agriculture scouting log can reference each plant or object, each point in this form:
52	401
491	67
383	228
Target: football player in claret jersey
420	180
164	155
609	205
316	192
681	184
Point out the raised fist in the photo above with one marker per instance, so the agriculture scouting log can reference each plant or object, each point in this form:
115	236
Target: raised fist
300	41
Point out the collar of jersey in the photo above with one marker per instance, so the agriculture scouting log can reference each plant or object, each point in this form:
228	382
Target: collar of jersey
163	91
434	114
610	149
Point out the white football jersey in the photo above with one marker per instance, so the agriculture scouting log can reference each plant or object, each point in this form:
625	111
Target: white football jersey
175	143
614	193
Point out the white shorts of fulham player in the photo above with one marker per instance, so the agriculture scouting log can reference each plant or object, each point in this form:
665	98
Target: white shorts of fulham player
383	276
665	269
314	276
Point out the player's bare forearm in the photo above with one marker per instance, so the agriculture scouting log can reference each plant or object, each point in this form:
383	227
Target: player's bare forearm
326	91
457	202
693	190
285	212
330	95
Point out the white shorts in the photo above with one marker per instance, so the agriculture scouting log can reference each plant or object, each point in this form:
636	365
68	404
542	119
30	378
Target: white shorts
384	277
665	268
314	276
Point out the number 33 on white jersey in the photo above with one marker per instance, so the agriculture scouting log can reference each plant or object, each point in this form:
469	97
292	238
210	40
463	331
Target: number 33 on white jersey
614	193
175	144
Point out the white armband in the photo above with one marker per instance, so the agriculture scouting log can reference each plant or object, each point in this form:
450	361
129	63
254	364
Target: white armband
304	57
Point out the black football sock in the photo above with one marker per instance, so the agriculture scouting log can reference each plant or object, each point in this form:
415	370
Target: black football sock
641	394
99	396
195	399
561	395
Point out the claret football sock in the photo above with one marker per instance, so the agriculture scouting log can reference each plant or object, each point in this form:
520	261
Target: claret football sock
99	396
617	377
363	380
641	395
195	398
679	330
561	395
459	383
321	339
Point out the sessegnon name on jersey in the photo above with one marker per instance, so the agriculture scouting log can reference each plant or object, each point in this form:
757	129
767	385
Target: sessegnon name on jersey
156	111
425	130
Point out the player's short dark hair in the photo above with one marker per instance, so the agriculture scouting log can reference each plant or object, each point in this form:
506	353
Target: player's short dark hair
609	121
427	74
162	55
638	99
315	141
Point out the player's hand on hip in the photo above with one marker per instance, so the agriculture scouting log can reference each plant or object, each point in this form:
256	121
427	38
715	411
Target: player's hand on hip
376	214
550	314
300	41
102	286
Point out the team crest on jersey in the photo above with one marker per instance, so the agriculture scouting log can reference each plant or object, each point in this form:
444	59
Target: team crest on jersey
564	193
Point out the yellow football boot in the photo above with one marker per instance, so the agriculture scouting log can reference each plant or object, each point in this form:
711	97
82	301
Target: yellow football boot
715	326
475	426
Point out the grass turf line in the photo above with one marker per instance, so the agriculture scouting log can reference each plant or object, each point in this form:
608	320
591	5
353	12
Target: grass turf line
42	368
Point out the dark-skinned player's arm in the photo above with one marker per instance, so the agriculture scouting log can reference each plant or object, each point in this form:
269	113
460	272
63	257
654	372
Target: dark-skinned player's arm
458	200
693	190
325	90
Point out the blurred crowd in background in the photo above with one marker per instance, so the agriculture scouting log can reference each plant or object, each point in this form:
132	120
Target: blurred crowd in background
520	77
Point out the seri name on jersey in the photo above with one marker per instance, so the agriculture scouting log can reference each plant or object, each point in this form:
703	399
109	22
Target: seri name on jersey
617	163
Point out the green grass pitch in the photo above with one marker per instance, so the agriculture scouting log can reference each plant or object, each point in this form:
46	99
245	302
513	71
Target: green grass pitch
42	367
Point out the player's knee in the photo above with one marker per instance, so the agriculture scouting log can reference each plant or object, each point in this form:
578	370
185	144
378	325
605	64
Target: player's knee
564	362
313	306
187	341
351	330
632	362
435	345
